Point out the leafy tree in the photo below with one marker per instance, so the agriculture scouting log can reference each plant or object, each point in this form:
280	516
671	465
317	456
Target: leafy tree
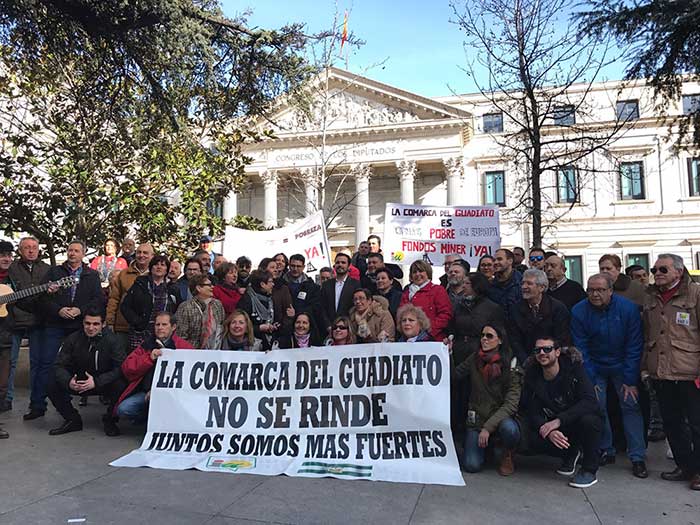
663	39
121	115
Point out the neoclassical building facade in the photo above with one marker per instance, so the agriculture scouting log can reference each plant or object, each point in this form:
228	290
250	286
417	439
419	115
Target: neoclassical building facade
360	144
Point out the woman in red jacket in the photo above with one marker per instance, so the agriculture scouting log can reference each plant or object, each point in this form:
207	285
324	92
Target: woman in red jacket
430	298
227	290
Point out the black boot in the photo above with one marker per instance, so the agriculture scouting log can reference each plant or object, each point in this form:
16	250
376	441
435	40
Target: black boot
69	425
110	425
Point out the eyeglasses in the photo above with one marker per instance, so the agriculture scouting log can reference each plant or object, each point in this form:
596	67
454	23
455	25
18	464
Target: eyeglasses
662	269
487	335
339	327
536	257
545	349
599	291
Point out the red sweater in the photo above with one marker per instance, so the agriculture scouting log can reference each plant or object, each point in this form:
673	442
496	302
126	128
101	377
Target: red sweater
435	302
229	297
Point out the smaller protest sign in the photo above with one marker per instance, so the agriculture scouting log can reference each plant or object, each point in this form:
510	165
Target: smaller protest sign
413	232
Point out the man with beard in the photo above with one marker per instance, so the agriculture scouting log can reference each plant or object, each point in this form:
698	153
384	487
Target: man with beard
304	291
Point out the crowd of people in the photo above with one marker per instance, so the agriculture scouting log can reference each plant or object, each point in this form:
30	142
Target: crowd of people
540	365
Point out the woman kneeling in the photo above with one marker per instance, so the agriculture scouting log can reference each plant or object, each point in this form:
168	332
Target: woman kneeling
494	383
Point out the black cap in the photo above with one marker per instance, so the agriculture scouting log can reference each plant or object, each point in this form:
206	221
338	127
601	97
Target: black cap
6	247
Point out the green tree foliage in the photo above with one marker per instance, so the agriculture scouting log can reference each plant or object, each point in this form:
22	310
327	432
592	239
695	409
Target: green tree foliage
120	115
663	42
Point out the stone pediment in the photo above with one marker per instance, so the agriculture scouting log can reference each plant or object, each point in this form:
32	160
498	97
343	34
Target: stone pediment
351	102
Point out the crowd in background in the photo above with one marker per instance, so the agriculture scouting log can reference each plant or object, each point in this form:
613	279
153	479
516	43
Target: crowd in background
540	364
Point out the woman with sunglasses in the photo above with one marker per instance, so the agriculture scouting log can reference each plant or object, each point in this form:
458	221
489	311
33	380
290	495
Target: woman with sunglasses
495	383
413	324
341	333
304	335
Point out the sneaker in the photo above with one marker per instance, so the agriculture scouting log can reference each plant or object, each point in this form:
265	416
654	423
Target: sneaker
568	465
583	480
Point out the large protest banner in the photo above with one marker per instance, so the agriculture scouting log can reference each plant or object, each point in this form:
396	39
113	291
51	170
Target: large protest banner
373	411
306	236
413	232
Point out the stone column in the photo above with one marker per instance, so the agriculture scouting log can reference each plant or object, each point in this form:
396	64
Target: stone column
230	212
362	173
310	178
269	179
407	174
453	173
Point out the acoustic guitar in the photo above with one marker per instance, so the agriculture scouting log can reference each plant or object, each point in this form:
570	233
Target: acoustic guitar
8	296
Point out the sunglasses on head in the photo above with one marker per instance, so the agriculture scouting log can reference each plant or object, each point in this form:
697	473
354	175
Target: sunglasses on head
536	257
545	349
662	269
487	335
339	327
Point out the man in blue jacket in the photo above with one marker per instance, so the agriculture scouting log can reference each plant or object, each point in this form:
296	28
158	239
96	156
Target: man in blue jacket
607	329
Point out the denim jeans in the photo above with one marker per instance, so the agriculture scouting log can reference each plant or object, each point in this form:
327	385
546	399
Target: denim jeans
41	363
473	459
632	419
134	408
36	341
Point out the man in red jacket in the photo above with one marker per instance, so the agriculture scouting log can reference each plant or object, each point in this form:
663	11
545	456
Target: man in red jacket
139	366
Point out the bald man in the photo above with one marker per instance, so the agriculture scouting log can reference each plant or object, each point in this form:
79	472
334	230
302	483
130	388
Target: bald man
565	290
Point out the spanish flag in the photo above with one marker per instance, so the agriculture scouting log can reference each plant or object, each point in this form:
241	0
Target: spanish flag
344	37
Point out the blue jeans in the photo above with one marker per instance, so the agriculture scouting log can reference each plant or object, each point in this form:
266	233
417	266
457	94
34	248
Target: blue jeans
473	459
631	417
134	408
36	341
40	365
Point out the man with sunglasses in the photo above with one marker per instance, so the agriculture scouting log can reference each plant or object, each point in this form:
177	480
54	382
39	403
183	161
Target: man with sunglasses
607	330
561	411
536	258
672	360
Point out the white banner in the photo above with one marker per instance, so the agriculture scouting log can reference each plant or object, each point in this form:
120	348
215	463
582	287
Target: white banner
372	411
306	236
413	232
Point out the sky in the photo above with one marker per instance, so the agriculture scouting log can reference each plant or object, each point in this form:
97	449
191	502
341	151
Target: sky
417	46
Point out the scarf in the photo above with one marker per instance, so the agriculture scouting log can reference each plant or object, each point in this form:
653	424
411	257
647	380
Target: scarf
490	364
160	299
210	331
362	326
74	273
105	267
263	307
230	344
302	340
413	289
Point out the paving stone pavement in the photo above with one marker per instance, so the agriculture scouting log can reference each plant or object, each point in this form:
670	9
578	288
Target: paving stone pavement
50	480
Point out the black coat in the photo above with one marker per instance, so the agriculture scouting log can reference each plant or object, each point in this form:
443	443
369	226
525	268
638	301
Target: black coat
568	293
328	310
305	296
579	397
394	298
88	295
524	329
101	357
137	305
22	277
469	318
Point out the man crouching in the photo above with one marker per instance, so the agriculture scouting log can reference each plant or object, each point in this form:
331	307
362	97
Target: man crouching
561	409
88	364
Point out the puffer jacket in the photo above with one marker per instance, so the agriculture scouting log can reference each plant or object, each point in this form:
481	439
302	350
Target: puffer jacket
117	292
491	402
378	320
435	302
672	333
25	312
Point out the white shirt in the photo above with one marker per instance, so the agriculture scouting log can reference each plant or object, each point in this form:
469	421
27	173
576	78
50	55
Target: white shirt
338	290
